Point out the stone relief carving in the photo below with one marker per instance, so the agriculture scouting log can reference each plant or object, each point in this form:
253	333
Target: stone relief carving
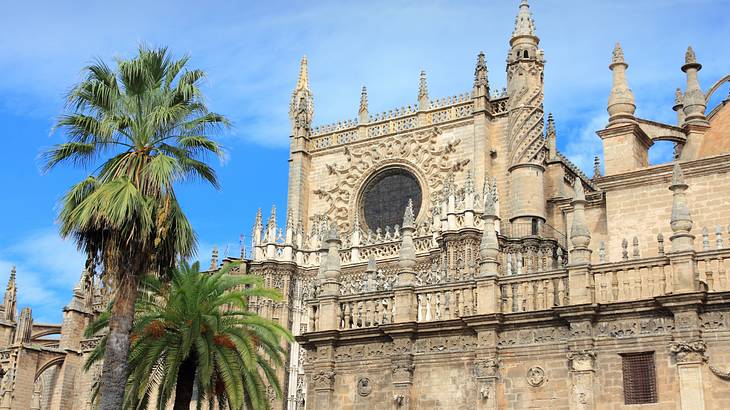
634	327
713	321
420	150
582	360
324	379
364	387
532	336
401	346
359	351
536	376
719	373
580	329
403	372
687	352
486	367
444	344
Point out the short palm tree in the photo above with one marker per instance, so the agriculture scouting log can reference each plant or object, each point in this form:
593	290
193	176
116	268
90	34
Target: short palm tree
196	332
142	127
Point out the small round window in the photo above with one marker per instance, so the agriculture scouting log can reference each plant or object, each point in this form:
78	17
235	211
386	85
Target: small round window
386	195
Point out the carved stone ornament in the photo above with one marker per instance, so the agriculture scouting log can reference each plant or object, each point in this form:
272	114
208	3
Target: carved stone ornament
582	360
485	392
486	368
719	373
536	376
403	372
689	352
420	151
324	379
364	387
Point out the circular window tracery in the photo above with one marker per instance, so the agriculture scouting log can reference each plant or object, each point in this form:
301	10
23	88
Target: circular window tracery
385	197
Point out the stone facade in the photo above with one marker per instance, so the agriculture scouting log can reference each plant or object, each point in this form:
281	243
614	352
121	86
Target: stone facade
514	281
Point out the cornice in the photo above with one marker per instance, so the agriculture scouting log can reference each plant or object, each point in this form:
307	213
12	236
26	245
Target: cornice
663	173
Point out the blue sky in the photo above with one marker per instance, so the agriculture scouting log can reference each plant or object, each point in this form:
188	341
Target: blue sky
251	52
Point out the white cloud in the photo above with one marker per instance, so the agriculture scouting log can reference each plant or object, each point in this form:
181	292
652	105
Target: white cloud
47	269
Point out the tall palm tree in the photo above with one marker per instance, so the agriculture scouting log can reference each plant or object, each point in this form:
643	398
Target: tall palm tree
142	127
197	332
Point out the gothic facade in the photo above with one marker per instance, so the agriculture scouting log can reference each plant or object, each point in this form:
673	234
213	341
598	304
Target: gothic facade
445	255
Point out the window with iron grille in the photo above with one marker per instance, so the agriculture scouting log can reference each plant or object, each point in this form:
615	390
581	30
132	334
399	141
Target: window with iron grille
639	378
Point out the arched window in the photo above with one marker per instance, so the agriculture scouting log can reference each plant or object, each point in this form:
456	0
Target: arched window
526	54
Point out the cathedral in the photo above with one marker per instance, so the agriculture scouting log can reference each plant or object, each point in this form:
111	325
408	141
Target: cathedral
445	255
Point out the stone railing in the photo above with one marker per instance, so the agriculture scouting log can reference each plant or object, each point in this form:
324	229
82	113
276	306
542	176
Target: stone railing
712	268
632	280
359	311
401	120
446	302
526	293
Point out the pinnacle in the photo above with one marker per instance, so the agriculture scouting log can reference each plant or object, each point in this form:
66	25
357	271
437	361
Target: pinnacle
690	57
422	85
678	96
677	175
303	81
524	24
618	54
580	194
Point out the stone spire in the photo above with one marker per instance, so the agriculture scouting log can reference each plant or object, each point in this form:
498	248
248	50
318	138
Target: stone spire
681	222
524	24
694	98
270	236
621	105
24	327
481	81
423	103
596	167
363	111
301	108
257	227
214	258
678	106
407	255
580	237
11	298
551	138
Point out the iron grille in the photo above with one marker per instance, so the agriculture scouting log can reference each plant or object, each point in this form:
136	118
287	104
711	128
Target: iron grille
639	378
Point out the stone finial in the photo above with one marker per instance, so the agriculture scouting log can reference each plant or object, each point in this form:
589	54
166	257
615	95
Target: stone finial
242	245
214	258
624	249
551	137
303	80
617	56
660	243
409	220
423	103
621	106
678	97
10	299
602	252
301	108
489	245
25	326
580	236
694	102
481	80
363	110
689	56
489	199
635	245
469	183
705	239
407	255
681	221
718	236
596	166
11	280
678	106
524	23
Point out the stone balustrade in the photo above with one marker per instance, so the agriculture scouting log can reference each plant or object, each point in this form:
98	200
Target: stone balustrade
631	280
446	302
400	120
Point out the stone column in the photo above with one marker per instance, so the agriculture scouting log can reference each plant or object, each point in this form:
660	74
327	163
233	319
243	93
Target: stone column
406	309
323	378
579	273
690	356
488	295
329	306
402	373
682	256
582	376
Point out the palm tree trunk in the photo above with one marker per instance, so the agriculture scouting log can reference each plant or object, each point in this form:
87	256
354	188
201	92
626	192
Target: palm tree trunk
185	382
114	372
